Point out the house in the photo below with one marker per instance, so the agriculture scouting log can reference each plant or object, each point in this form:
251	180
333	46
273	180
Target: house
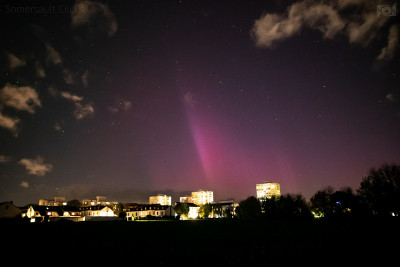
98	210
144	210
193	211
37	213
226	208
8	210
97	213
71	211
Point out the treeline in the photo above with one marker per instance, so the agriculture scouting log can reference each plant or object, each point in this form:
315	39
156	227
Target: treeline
378	195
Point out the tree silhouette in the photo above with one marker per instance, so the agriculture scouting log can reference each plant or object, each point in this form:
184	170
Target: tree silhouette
346	203
294	206
270	207
329	203
205	210
249	208
285	207
119	210
217	210
321	203
380	190
74	202
181	208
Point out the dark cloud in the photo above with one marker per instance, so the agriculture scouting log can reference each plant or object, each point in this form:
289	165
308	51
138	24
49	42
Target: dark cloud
82	110
24	98
95	16
36	166
332	19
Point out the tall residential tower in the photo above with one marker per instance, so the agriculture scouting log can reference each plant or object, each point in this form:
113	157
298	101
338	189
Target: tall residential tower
160	199
202	197
268	189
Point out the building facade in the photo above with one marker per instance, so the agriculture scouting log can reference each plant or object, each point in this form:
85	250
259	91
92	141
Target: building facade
160	199
56	201
185	199
143	210
223	209
100	200
99	210
268	190
202	197
193	211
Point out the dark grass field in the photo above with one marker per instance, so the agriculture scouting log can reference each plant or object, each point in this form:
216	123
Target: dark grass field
210	242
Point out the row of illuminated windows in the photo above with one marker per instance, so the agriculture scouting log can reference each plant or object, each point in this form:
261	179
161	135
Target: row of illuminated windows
139	213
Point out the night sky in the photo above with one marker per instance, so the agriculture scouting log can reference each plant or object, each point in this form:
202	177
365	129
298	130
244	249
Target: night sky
130	98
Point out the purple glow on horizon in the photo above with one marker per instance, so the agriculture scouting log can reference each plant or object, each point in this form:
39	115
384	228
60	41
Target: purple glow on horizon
227	161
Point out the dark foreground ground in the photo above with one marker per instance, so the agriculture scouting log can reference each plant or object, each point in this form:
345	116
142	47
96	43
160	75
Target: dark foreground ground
224	243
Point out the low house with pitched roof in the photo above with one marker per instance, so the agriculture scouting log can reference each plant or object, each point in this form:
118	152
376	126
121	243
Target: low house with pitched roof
97	213
144	210
37	213
8	210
